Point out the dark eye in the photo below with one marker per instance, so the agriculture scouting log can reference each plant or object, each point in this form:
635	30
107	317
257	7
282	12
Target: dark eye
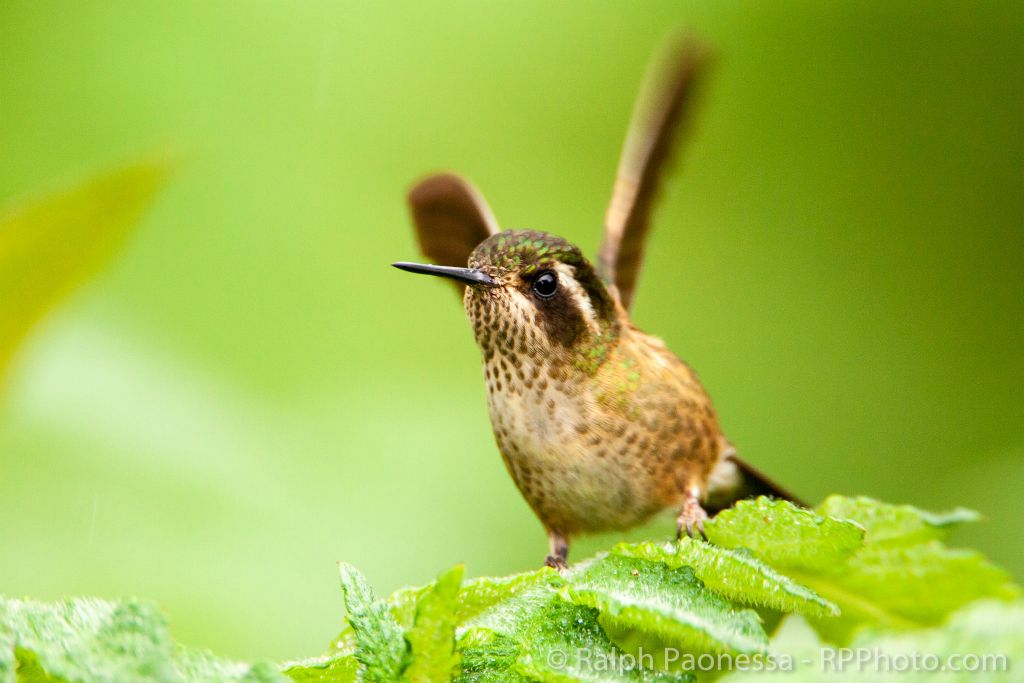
546	285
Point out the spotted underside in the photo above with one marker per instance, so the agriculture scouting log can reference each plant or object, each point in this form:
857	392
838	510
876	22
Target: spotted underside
599	424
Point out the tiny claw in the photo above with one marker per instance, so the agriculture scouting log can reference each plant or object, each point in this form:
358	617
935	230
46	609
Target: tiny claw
691	518
555	563
693	530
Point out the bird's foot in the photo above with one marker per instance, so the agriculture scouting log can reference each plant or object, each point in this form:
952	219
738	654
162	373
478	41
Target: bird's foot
691	519
559	551
555	562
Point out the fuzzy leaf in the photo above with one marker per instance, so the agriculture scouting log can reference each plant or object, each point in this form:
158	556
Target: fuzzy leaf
904	588
479	602
886	570
95	641
734	574
432	636
84	639
326	669
523	629
671	604
784	535
993	632
503	604
567	644
898	578
380	645
489	657
200	666
886	523
561	643
50	245
501	615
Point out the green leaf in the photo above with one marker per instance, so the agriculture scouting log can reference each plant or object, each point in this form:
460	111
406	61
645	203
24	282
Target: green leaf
52	244
522	628
990	633
671	604
609	619
325	669
561	643
500	614
432	636
95	641
784	535
380	645
905	588
734	574
504	603
84	639
886	523
200	666
480	602
489	657
898	577
928	581
498	602
985	628
567	644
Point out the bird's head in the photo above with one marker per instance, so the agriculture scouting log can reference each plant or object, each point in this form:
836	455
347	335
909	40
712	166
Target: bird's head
533	293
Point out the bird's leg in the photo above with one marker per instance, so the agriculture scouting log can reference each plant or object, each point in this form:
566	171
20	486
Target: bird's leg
559	554
691	515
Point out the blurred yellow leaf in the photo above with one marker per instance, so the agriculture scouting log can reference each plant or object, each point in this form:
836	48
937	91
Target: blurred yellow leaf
52	244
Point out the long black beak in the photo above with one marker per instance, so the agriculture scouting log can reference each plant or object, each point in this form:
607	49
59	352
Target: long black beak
471	276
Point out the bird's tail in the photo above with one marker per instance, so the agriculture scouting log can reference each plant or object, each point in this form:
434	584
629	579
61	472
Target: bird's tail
737	479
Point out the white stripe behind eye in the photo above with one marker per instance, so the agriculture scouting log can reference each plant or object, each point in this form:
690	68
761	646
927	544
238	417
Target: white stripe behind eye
567	280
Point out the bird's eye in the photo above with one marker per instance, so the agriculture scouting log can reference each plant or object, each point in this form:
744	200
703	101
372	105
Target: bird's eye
546	285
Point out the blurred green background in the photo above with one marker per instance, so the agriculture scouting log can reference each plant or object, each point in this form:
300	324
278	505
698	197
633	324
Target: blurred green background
249	393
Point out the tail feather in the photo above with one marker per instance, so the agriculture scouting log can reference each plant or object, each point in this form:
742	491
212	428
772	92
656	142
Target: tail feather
736	479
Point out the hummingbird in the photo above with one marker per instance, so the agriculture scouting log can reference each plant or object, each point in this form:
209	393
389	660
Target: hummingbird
599	424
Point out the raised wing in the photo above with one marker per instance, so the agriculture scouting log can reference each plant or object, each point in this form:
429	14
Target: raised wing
451	218
660	110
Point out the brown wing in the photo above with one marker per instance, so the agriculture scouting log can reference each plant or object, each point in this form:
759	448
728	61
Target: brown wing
451	218
660	109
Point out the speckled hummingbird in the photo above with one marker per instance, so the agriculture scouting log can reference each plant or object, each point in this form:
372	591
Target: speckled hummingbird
599	424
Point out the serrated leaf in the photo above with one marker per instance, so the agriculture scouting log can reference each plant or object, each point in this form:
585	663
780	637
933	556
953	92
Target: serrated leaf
83	639
523	629
480	595
672	604
990	632
504	604
567	644
563	643
908	587
380	645
986	629
489	657
928	581
200	666
51	244
734	574
897	578
432	636
784	535
401	604
96	641
480	602
326	669
885	523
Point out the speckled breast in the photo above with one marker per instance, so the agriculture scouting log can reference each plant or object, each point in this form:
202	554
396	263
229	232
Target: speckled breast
586	454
